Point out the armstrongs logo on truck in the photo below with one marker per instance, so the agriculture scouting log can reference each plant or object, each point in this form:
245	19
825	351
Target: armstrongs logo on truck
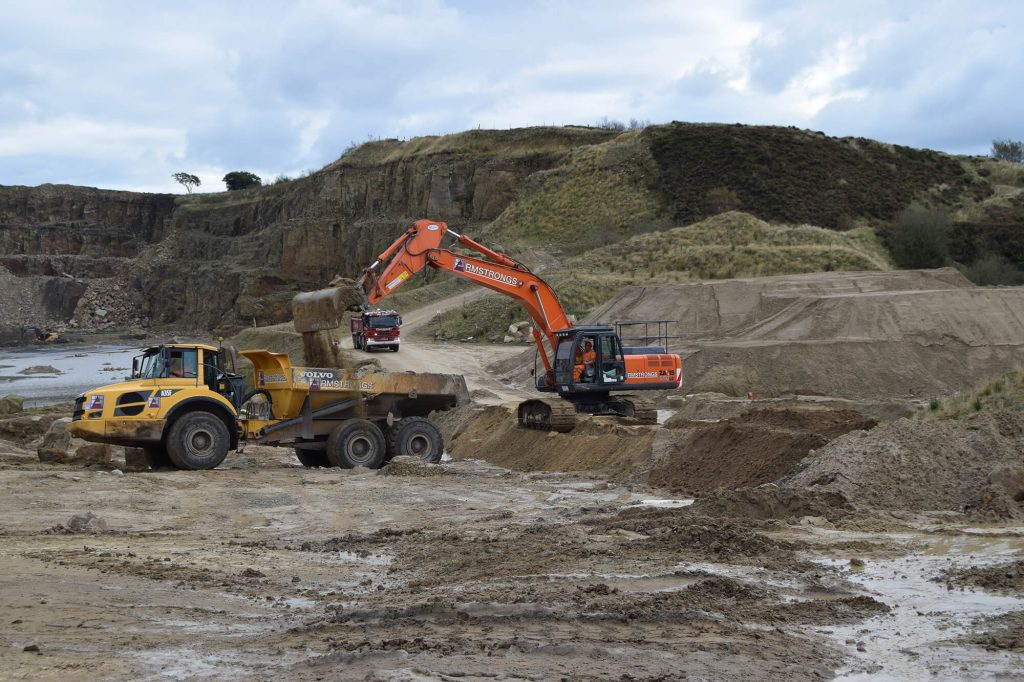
328	379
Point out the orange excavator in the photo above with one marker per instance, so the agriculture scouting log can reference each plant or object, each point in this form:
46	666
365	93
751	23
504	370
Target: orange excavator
585	365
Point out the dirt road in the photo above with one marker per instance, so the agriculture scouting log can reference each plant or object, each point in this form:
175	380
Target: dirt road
469	359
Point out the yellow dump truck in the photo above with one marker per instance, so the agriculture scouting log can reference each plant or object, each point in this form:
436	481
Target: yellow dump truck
187	406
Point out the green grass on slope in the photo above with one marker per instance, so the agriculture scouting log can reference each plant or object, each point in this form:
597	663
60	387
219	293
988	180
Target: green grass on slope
729	245
601	195
1005	394
735	244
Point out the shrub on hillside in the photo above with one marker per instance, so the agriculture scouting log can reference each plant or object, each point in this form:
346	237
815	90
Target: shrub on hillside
721	199
1008	150
236	180
992	269
919	238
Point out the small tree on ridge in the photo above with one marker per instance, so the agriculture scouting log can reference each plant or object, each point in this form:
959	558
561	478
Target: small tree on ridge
188	180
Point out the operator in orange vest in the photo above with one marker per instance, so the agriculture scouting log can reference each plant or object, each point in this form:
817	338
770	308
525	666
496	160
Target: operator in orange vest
585	359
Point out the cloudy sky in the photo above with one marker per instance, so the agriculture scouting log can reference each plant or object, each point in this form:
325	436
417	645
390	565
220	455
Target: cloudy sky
123	94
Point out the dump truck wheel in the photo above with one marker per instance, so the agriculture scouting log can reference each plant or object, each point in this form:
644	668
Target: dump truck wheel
156	457
416	437
312	458
356	443
198	440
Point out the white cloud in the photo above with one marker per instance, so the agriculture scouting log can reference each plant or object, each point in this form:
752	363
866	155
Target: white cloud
118	95
69	136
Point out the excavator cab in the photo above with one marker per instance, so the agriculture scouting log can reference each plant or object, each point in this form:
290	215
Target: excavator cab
587	359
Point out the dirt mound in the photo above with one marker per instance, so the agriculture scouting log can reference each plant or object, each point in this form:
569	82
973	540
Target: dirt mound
596	444
771	502
1003	578
852	335
916	465
751	449
998	633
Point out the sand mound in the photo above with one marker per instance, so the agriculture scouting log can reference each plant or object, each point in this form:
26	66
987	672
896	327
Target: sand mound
751	449
916	465
596	444
877	335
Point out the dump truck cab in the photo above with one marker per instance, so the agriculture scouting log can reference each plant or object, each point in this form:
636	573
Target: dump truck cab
188	392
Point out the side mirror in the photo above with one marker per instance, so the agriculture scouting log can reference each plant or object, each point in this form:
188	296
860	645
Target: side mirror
135	367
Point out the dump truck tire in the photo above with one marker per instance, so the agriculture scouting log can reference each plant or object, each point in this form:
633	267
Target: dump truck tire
356	443
416	437
198	440
312	458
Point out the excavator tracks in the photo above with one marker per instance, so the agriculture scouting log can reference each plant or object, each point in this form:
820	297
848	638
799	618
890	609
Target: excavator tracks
548	414
645	411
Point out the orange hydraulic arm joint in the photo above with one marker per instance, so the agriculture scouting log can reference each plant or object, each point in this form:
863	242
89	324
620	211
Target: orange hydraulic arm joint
420	247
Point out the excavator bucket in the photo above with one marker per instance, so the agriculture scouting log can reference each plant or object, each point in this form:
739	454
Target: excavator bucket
315	311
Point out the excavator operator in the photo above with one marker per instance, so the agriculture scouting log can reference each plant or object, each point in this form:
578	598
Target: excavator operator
585	361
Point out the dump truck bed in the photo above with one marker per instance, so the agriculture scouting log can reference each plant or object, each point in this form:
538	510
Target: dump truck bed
307	402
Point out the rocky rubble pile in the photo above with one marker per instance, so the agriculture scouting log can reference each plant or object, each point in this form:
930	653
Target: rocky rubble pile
924	465
519	332
108	303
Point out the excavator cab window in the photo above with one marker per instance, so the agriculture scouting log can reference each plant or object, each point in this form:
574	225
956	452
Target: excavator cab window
612	366
564	362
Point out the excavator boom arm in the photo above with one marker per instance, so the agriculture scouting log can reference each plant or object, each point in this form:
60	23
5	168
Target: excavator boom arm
420	247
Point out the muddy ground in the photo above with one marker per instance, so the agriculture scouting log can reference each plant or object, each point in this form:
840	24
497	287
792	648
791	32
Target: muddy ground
812	550
263	569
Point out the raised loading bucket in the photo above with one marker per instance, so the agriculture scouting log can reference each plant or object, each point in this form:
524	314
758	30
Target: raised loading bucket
315	311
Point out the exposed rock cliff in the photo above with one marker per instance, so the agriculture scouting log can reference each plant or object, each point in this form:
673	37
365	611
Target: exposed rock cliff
95	258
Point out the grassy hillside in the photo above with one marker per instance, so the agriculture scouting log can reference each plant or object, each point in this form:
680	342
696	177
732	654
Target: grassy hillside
1005	394
800	176
733	244
603	194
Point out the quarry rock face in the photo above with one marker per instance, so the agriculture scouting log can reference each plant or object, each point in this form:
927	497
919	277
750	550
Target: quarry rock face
57	241
226	259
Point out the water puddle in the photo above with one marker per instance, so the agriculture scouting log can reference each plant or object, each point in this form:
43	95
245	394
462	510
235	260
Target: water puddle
663	503
911	642
80	369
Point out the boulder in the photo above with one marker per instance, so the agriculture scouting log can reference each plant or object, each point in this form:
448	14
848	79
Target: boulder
58	447
56	442
11	404
135	460
24	429
91	453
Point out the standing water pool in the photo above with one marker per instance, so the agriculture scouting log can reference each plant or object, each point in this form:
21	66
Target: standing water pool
78	370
